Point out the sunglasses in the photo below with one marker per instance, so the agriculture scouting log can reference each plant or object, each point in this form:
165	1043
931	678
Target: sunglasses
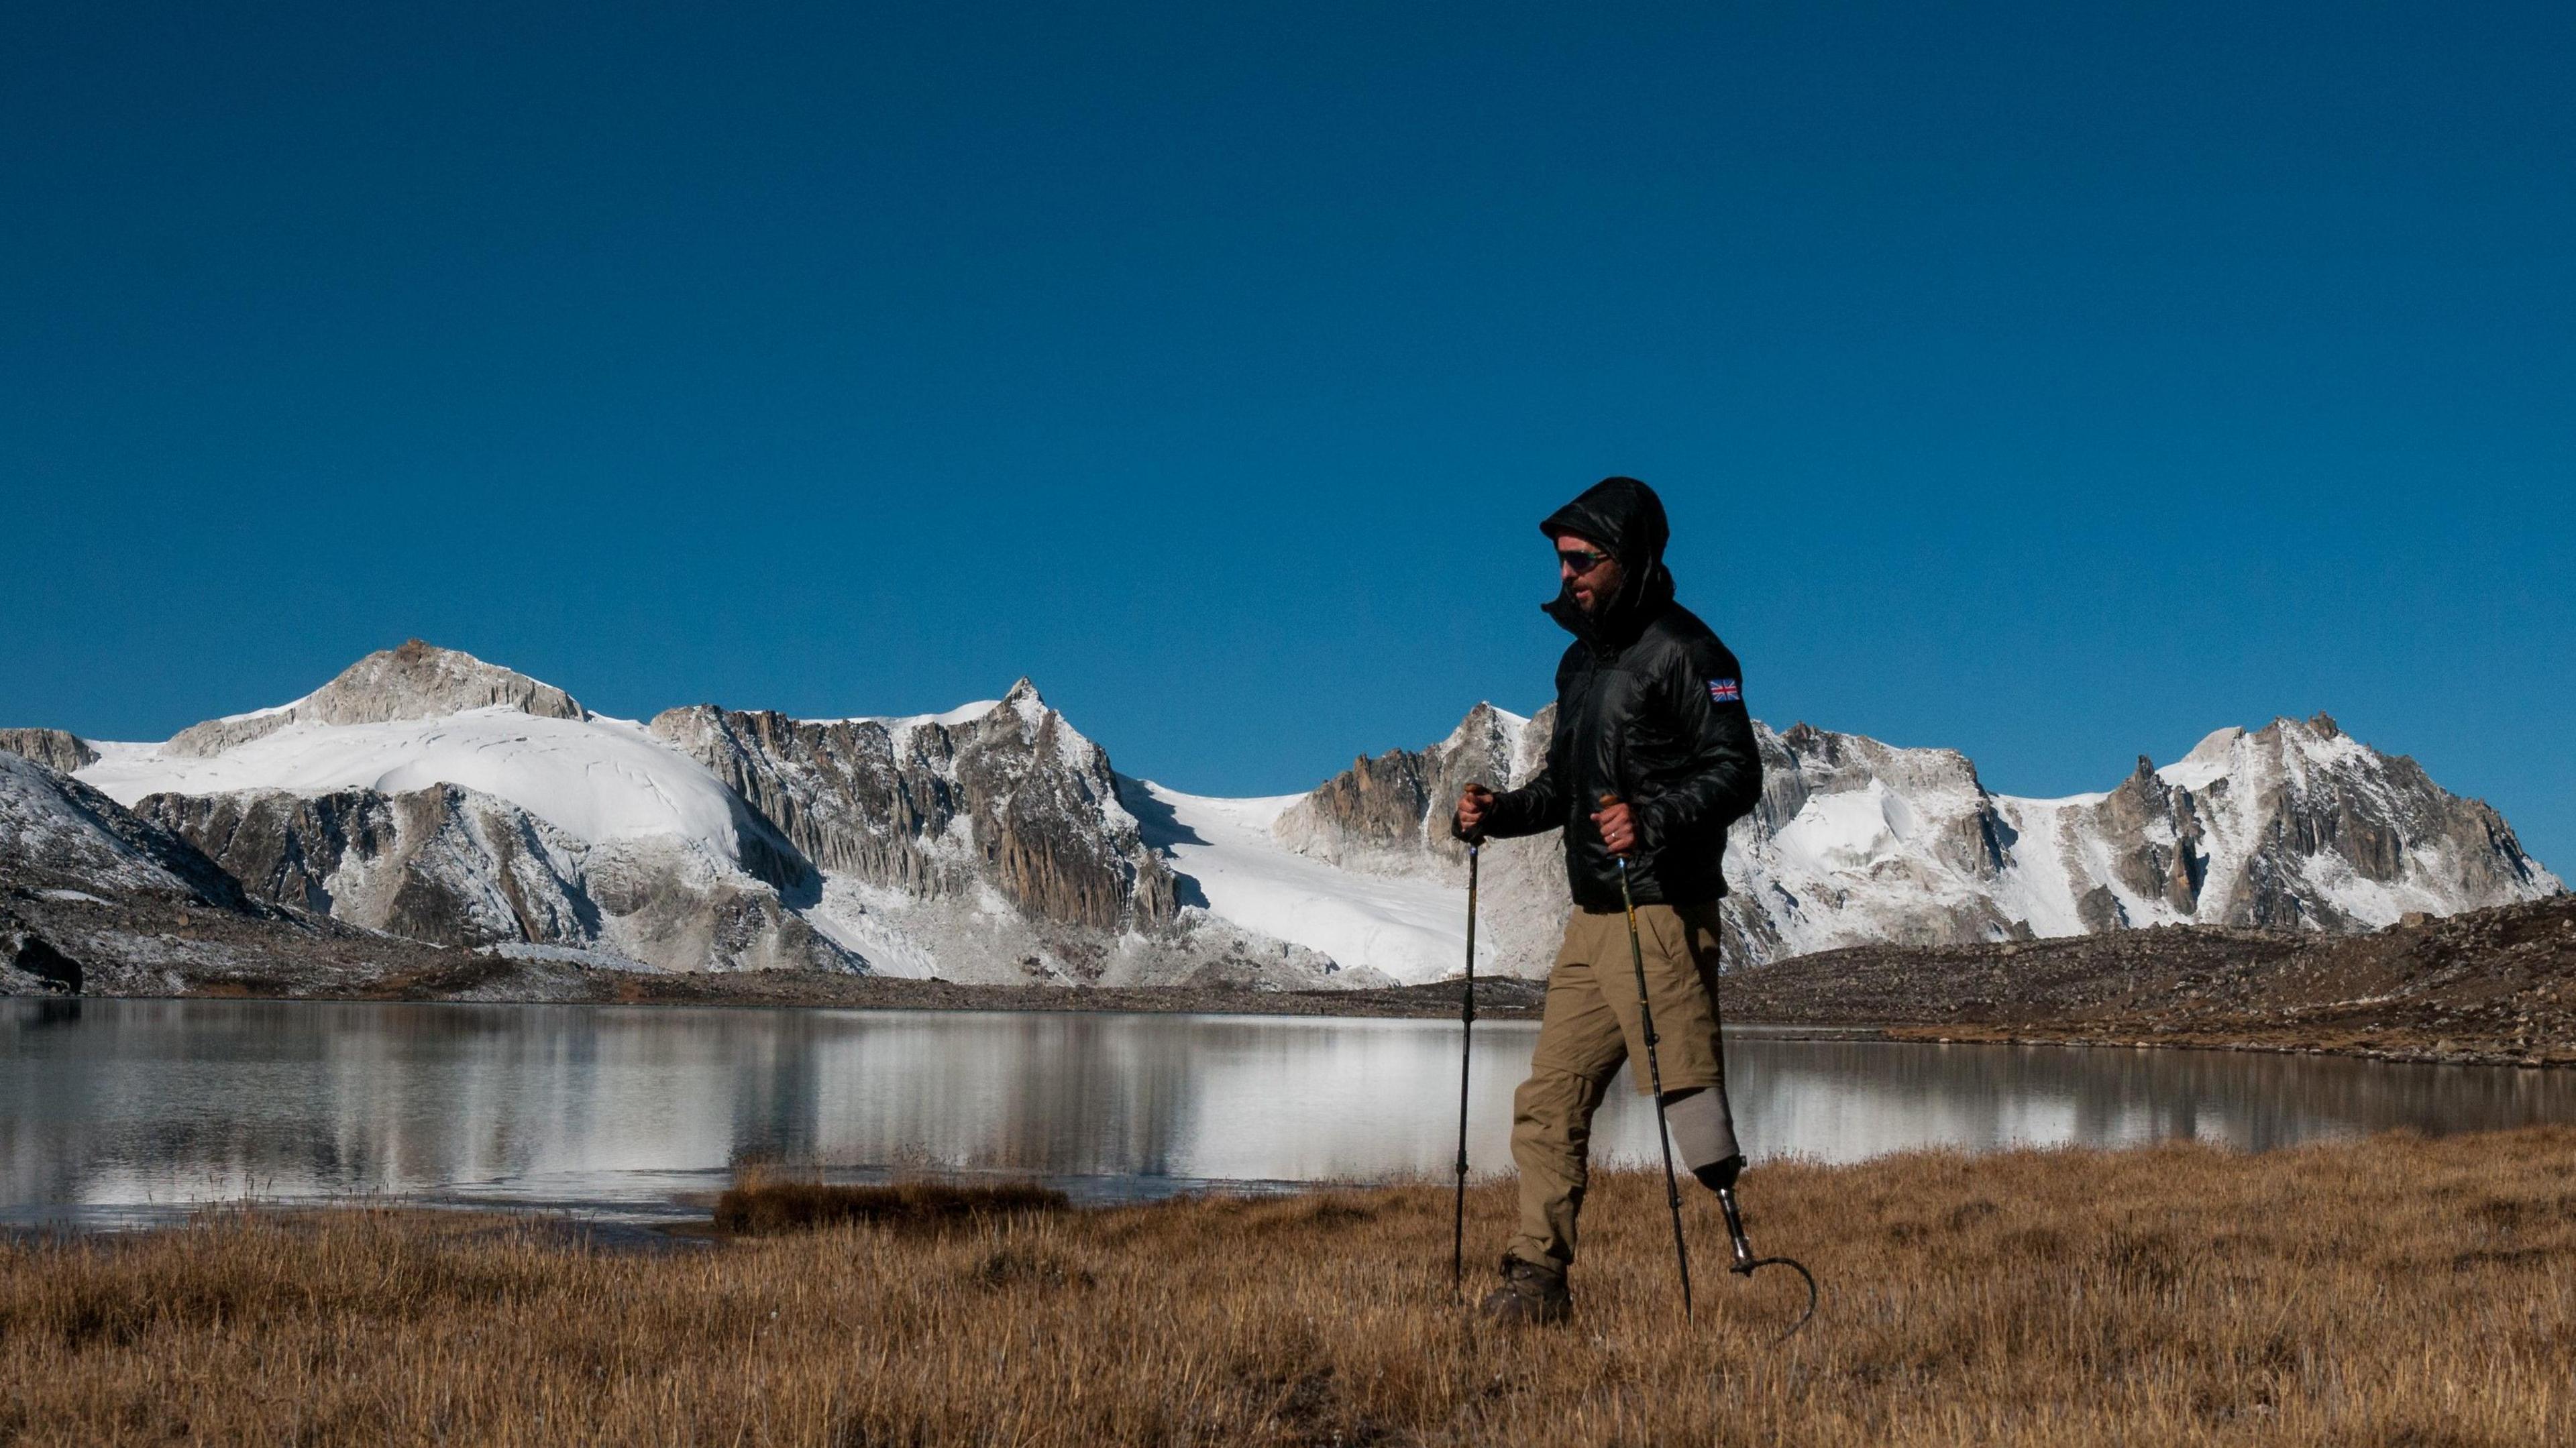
1580	561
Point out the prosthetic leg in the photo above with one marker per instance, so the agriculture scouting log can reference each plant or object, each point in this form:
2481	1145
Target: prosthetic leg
1699	1123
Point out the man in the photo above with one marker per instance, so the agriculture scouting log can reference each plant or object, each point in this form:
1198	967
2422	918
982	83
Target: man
1653	757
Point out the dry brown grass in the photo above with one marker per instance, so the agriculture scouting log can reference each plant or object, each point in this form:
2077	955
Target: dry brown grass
2392	1292
764	1204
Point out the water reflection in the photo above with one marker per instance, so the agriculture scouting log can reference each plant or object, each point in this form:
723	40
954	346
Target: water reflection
113	1105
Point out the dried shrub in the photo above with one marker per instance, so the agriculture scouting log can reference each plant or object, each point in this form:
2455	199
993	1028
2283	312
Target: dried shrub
759	1207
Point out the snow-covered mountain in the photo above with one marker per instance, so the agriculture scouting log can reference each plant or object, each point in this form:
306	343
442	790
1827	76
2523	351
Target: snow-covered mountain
433	796
2293	826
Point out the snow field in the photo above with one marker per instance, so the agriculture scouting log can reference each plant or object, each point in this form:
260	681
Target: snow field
1412	928
597	779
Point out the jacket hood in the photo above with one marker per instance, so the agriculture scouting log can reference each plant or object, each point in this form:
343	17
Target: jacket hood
1625	518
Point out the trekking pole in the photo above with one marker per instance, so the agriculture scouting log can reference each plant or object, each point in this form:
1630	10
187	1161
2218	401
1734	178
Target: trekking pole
1466	1058
1654	1076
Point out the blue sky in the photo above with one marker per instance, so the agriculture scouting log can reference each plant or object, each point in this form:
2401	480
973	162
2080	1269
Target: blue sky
2054	382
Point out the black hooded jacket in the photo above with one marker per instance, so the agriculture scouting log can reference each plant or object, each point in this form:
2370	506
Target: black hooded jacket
1649	707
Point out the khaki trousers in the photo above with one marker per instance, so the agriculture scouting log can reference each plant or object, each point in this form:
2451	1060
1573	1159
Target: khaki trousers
1590	1028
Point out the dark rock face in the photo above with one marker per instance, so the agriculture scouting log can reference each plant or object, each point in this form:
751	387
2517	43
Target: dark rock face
37	957
441	864
56	749
1012	798
2100	910
56	832
1043	827
415	681
282	848
452	866
2167	863
1401	801
835	790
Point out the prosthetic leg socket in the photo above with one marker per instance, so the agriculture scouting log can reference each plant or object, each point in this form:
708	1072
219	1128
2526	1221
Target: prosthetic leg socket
1704	1133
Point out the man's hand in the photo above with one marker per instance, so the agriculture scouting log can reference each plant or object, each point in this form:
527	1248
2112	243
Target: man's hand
1473	801
1618	826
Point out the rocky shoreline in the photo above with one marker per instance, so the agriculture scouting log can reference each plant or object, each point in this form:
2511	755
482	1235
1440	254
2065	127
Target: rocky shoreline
2487	987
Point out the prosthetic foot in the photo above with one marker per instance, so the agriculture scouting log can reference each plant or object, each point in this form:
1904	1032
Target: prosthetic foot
1704	1135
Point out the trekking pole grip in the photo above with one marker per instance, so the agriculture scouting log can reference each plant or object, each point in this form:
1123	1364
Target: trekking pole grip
1609	798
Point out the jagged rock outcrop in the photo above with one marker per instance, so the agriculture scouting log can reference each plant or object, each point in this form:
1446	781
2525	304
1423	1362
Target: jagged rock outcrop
453	866
415	681
32	965
1009	796
441	864
2159	850
2296	826
1399	802
56	749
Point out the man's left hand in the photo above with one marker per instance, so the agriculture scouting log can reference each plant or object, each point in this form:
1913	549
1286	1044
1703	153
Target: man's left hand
1618	828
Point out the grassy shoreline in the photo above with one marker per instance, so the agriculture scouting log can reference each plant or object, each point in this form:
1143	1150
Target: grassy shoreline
2389	1291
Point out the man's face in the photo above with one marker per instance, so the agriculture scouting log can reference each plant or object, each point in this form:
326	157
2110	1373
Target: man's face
1589	572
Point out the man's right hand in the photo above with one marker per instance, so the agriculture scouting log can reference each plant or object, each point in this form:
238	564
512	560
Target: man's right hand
1473	802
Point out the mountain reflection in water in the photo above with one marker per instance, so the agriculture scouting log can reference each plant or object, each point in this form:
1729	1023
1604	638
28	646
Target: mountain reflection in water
117	1108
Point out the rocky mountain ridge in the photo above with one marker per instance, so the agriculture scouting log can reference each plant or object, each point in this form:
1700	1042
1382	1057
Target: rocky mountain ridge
454	866
2294	826
414	681
58	750
1007	793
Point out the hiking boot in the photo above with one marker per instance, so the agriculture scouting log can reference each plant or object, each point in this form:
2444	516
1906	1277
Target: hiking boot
1531	1293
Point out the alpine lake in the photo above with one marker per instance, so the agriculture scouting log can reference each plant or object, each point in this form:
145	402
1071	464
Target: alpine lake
128	1112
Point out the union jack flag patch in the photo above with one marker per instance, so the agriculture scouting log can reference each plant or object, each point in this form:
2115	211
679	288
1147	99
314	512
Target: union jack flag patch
1726	691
